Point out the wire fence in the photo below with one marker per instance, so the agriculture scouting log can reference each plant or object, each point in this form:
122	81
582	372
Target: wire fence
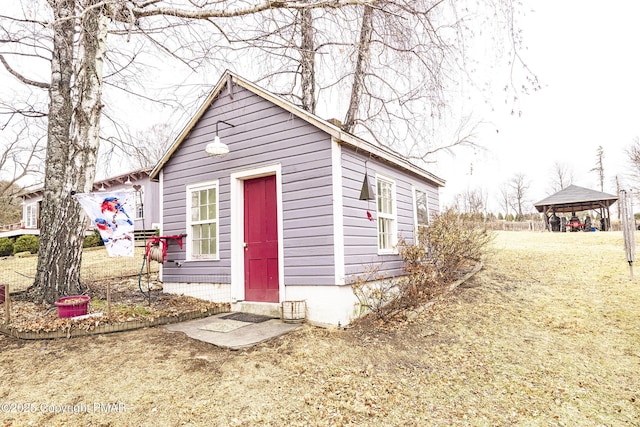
514	225
216	288
20	272
530	225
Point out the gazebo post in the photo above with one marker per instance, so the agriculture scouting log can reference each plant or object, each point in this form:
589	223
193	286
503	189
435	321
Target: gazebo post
547	224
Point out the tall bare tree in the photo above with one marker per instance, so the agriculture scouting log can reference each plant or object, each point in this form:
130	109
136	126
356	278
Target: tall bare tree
393	60
74	43
71	37
362	68
599	167
519	186
633	154
504	198
562	176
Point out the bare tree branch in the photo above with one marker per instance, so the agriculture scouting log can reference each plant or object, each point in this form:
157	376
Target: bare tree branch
21	156
143	10
20	77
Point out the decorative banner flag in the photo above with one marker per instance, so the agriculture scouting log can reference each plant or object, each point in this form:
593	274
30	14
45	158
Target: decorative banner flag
110	213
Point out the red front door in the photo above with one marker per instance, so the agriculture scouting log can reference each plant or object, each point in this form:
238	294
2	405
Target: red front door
261	240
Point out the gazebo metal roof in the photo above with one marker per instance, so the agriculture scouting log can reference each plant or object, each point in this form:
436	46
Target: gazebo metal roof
575	199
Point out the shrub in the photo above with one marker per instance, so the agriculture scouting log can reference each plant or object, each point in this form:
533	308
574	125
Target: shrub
448	246
93	240
6	246
374	291
26	243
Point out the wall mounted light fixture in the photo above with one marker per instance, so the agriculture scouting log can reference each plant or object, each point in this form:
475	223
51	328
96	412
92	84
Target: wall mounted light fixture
217	148
367	192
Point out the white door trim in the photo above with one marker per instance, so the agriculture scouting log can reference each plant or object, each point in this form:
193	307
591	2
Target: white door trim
237	227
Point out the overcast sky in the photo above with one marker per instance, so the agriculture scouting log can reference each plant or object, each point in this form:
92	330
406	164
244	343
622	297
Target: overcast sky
587	56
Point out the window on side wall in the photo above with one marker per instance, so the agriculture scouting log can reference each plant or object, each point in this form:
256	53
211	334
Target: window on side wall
31	216
202	221
387	221
421	212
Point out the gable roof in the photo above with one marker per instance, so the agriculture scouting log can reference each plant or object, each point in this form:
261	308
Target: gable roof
575	199
342	137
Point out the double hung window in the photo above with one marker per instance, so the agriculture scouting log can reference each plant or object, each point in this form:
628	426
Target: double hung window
421	212
202	221
31	216
387	217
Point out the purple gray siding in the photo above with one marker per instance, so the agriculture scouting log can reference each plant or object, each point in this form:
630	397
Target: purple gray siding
264	134
360	234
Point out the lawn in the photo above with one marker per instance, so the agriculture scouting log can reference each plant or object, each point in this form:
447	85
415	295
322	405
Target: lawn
548	333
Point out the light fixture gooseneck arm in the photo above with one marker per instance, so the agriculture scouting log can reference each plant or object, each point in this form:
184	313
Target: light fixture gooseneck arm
217	148
226	123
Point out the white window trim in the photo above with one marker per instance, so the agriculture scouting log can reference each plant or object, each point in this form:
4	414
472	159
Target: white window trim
415	189
31	217
189	244
139	193
393	216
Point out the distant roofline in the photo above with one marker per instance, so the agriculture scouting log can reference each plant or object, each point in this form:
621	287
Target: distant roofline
575	198
134	175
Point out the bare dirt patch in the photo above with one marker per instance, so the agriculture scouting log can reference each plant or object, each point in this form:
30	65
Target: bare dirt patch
546	334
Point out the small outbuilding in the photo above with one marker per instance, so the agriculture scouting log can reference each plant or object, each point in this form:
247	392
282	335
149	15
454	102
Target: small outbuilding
574	199
277	205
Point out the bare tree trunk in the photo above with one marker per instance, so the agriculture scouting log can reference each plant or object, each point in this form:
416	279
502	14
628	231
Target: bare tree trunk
72	149
599	168
520	187
307	62
361	68
75	87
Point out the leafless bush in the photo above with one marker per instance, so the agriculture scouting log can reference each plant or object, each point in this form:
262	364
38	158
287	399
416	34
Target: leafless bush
374	291
449	246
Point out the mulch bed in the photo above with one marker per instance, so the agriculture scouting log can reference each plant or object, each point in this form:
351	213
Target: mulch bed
130	309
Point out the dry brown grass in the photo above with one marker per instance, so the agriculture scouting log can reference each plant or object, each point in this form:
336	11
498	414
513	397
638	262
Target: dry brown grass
547	334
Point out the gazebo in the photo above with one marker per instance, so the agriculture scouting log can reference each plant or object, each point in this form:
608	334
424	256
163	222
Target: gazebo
576	199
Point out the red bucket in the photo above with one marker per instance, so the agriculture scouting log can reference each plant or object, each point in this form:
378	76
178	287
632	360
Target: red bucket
71	306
